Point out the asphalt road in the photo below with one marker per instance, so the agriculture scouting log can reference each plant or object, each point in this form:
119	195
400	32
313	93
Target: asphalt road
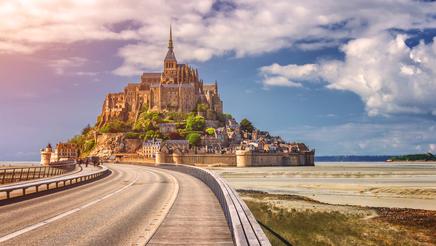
121	209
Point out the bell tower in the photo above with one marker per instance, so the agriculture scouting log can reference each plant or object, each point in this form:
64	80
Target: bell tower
170	62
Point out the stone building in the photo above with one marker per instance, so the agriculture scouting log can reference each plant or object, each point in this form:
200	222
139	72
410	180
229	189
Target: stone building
62	152
66	151
178	88
150	147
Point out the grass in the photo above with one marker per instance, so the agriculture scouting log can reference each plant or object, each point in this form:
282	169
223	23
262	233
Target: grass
311	227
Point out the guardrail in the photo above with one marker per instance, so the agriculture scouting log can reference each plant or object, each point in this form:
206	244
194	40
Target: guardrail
244	227
56	182
17	174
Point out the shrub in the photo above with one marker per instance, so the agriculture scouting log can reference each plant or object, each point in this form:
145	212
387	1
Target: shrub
210	131
150	134
114	127
88	146
79	140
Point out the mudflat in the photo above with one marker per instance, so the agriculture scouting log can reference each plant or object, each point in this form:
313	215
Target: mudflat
393	185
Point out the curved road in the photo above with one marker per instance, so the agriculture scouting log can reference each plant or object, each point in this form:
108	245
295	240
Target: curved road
125	208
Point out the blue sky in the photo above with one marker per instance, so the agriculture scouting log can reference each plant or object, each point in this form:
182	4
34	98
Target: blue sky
344	77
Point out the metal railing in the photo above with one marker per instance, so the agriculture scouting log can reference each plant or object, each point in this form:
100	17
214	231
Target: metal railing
243	226
18	174
57	182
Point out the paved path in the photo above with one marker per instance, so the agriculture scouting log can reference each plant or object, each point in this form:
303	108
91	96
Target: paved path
118	210
196	218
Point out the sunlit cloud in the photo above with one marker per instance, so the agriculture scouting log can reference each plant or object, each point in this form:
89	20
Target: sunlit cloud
203	28
390	77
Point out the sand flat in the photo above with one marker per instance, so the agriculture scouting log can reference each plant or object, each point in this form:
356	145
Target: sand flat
402	185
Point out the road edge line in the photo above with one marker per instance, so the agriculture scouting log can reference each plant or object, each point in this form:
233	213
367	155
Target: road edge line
61	215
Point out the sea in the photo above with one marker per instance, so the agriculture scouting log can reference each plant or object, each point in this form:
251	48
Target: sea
19	163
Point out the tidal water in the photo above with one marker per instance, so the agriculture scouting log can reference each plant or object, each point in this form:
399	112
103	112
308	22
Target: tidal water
19	163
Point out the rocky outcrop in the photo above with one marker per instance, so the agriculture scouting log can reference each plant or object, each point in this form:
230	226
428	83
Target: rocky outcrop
108	144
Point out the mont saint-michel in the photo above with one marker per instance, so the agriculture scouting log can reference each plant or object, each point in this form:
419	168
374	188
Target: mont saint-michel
178	89
174	117
217	122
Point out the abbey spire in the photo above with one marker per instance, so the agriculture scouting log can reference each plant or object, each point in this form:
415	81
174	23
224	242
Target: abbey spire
170	42
170	54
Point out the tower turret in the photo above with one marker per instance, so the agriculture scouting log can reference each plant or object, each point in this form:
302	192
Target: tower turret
46	155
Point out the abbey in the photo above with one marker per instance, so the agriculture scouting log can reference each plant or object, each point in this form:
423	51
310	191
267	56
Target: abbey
177	89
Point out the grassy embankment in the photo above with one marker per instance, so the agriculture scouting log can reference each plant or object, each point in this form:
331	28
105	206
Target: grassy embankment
302	221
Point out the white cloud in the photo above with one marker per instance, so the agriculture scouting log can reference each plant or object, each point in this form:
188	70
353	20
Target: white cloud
303	72
389	76
202	28
280	81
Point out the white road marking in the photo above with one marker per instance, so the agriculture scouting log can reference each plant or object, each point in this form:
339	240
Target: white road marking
62	215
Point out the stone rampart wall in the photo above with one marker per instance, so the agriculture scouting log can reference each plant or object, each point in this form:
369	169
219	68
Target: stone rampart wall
240	159
193	159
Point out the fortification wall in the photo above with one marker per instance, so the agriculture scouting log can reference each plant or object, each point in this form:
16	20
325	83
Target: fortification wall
251	159
193	159
132	158
240	159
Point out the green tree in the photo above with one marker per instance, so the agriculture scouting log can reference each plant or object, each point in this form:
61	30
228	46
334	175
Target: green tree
246	125
210	131
194	138
148	121
195	123
228	116
79	140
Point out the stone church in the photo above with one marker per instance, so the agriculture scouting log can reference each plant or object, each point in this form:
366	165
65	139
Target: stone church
177	89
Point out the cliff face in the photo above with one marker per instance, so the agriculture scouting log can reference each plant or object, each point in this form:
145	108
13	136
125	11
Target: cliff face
112	143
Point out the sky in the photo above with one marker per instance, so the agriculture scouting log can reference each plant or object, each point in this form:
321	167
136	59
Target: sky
345	77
